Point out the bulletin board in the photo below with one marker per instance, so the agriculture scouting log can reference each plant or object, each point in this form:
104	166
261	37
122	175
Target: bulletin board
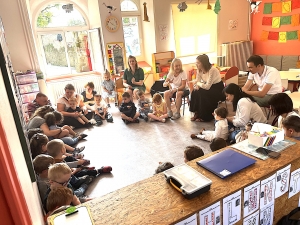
115	53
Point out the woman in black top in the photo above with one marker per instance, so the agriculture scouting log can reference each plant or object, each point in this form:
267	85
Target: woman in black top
88	94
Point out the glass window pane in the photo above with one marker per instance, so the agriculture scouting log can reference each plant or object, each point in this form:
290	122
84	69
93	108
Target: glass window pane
131	36
55	16
54	49
128	5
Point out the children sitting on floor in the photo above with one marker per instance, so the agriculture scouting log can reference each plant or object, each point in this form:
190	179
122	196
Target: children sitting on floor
74	108
144	105
291	127
192	152
101	112
108	86
221	127
128	110
159	109
163	166
54	118
217	143
41	164
243	134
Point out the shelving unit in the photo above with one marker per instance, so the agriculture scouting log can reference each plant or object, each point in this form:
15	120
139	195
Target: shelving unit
161	62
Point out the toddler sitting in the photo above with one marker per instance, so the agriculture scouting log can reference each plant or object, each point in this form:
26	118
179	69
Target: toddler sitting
159	109
243	134
144	105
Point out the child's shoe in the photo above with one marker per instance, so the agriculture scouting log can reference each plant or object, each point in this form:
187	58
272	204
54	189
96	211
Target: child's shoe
78	155
99	123
193	136
136	120
108	105
203	129
163	120
176	116
151	120
146	118
126	122
78	150
93	121
88	124
170	113
116	104
86	162
82	136
104	169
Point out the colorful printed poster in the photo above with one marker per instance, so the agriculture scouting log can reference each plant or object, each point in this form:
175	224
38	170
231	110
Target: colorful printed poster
190	221
267	191
267	21
273	36
264	35
276	6
294	183
291	35
266	215
253	219
232	208
286	7
285	20
251	198
282	181
211	214
267	8
275	22
282	37
295	20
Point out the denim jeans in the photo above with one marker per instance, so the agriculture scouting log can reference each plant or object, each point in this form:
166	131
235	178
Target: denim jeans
70	141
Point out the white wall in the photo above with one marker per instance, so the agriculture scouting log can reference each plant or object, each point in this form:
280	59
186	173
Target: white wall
93	13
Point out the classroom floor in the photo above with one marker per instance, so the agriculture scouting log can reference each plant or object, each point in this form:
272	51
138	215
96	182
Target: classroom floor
135	150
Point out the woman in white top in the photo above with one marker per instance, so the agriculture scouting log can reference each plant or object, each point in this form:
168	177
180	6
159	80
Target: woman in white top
207	91
70	118
245	108
176	80
282	106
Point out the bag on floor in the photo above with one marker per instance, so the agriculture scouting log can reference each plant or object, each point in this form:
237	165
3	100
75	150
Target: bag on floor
158	87
293	218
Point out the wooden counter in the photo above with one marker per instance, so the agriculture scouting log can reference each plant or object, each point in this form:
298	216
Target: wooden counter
154	201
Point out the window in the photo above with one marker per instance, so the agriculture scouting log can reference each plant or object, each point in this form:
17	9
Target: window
131	26
195	30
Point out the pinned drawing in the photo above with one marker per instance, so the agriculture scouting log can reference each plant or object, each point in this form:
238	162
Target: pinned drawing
211	214
294	187
267	191
232	208
192	220
251	198
163	33
266	215
182	6
282	181
233	24
254	6
253	219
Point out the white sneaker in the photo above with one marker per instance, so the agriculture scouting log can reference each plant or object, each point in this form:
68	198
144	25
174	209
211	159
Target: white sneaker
163	120
151	120
170	113
176	116
93	121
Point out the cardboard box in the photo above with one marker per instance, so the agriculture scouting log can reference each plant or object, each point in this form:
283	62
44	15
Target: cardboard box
264	135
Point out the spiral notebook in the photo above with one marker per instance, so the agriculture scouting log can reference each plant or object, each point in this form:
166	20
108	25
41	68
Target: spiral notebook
226	163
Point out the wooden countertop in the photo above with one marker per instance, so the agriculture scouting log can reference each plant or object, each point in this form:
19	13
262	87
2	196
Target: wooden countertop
154	201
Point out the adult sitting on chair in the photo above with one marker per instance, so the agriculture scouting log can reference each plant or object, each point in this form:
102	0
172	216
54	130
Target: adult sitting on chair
207	91
133	78
176	79
265	77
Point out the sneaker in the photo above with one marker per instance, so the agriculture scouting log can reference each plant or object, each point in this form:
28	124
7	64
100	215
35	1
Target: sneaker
78	150
86	162
105	169
99	123
170	114
146	118
193	136
126	122
93	121
88	180
176	116
78	155
116	104
88	124
82	136
163	120
108	105
141	116
136	120
151	120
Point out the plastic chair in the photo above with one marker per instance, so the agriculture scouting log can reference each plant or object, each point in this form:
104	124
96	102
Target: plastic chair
232	76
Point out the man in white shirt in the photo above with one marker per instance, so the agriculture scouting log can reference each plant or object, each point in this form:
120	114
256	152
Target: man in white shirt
265	77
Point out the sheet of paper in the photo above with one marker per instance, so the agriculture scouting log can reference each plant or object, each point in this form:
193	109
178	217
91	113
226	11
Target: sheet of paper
251	198
253	219
295	20
282	181
211	214
276	6
275	22
232	208
294	183
190	221
267	8
286	7
264	35
79	218
282	37
267	191
266	215
273	35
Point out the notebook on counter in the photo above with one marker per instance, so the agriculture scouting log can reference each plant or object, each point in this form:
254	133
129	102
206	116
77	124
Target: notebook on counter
226	163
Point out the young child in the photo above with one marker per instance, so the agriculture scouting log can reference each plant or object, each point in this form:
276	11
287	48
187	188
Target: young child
192	152
243	134
108	89
59	175
159	109
291	127
101	112
38	144
41	164
144	105
221	127
74	108
163	166
128	110
54	118
58	198
217	143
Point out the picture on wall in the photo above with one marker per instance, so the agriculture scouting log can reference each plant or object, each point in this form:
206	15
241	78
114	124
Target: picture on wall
115	53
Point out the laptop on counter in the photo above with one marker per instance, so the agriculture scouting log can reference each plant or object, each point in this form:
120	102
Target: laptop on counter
226	163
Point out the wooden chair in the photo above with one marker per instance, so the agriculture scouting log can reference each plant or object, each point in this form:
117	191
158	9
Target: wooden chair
120	89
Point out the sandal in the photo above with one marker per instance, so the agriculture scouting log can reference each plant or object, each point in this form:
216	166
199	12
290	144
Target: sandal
199	120
194	117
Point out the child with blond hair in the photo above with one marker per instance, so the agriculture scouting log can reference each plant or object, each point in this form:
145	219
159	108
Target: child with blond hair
108	86
74	108
221	127
101	112
159	109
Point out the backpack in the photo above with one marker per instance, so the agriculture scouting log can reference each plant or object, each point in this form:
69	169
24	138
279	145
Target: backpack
158	87
285	220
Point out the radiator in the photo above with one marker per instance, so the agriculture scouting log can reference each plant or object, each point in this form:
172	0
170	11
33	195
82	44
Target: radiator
237	53
56	88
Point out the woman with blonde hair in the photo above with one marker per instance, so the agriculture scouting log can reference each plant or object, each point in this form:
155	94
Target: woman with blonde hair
133	78
176	80
207	92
